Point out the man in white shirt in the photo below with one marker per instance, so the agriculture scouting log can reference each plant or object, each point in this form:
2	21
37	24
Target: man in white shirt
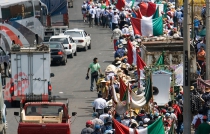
125	30
115	19
92	17
195	118
117	33
99	104
105	115
96	120
84	10
98	14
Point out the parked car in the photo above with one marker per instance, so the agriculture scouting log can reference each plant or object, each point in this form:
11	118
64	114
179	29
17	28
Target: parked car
68	43
58	53
81	38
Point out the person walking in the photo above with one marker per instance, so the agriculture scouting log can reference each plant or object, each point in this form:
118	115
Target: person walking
84	10
95	68
117	33
197	120
115	19
206	98
88	129
201	55
92	16
204	128
99	104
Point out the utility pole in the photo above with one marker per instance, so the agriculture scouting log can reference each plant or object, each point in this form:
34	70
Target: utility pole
207	39
186	70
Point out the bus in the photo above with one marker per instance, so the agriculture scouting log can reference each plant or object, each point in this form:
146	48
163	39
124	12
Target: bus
21	22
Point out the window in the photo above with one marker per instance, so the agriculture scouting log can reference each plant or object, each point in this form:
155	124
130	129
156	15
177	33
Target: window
74	33
63	40
43	110
37	9
2	52
17	11
72	41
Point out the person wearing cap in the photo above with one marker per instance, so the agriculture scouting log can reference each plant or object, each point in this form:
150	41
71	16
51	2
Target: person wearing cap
88	129
206	98
204	128
99	84
116	34
99	104
105	115
120	51
97	130
95	69
125	30
107	125
96	120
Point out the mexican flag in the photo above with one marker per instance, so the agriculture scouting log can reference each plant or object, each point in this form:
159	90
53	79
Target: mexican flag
131	53
155	128
160	60
148	89
120	4
147	27
140	65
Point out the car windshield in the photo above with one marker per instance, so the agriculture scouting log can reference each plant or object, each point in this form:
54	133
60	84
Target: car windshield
74	33
43	110
63	40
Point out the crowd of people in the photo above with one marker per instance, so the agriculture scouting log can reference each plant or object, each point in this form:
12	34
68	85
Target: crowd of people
100	14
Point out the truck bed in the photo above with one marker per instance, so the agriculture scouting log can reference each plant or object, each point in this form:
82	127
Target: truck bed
43	128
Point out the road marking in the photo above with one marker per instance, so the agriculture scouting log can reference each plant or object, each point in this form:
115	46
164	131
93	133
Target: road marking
60	92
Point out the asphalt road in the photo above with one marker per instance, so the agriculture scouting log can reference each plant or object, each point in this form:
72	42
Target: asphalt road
70	79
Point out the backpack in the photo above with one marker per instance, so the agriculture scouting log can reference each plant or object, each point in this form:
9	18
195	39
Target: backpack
84	8
197	123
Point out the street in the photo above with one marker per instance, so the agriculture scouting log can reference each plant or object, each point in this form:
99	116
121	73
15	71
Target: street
69	80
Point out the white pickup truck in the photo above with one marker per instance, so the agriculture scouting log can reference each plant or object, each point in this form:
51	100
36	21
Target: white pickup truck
30	73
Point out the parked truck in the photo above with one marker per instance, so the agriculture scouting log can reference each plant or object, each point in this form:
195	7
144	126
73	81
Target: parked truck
173	54
56	19
44	118
30	72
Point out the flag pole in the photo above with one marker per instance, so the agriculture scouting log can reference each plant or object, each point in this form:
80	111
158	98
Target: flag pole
152	92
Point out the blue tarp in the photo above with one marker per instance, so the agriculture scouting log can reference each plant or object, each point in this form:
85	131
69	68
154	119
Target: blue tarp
56	7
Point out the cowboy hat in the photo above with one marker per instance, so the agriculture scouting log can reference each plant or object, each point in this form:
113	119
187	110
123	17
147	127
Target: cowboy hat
125	25
130	114
207	89
108	70
103	81
170	110
120	46
124	66
118	62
